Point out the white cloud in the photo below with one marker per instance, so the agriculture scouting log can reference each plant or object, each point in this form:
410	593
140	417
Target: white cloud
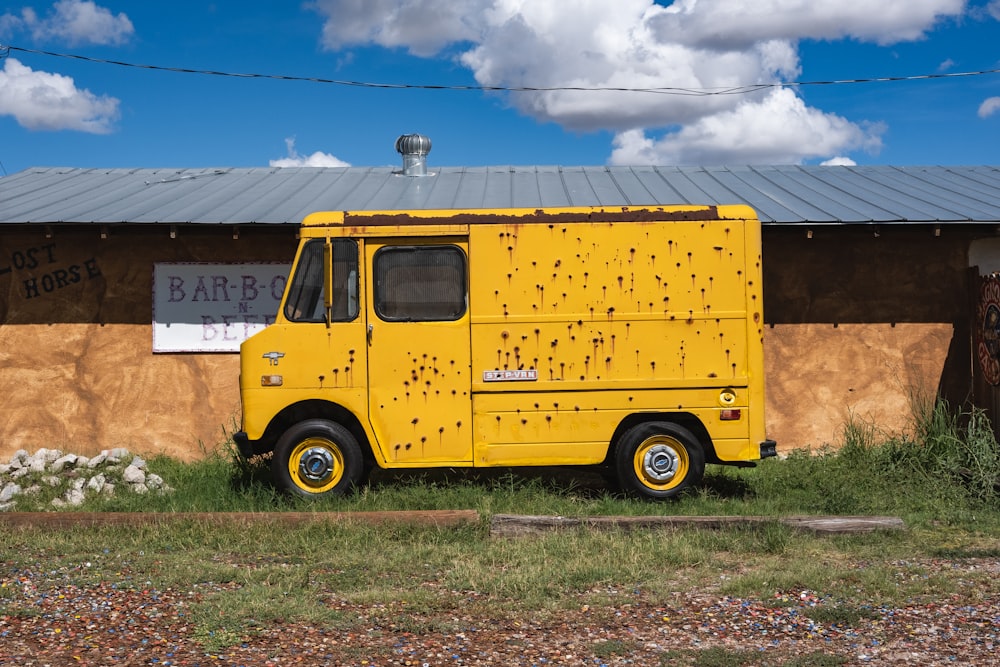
74	22
839	162
780	129
422	26
45	101
691	45
317	159
732	23
994	9
989	107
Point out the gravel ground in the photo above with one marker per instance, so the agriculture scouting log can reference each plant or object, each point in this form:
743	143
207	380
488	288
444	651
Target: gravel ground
50	618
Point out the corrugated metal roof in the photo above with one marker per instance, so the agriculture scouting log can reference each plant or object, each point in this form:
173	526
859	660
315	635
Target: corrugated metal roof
783	195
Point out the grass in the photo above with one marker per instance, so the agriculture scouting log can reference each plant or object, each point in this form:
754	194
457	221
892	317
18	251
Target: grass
941	479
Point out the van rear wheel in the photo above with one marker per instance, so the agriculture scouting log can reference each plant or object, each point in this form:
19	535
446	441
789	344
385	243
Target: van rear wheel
317	458
659	460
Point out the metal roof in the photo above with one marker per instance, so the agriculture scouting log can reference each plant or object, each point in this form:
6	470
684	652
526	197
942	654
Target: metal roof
782	195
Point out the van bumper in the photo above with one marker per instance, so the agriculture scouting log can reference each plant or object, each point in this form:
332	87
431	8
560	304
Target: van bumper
768	448
243	444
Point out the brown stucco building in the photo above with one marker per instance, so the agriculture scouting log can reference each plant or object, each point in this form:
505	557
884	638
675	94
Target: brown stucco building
871	285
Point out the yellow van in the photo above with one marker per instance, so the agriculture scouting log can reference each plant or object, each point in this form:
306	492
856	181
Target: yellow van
628	338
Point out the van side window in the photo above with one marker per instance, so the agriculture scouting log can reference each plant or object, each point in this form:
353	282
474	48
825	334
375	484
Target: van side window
304	302
420	283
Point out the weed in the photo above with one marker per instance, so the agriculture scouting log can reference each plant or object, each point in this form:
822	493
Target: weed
846	616
611	648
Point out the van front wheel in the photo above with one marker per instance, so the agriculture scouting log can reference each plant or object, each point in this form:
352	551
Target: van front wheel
659	460
317	458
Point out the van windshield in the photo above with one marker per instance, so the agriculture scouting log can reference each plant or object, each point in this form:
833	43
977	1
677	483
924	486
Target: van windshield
304	300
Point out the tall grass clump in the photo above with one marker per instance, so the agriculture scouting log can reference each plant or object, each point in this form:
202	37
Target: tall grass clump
949	455
945	466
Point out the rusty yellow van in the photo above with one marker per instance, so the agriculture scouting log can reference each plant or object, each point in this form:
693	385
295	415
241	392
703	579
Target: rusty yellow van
627	338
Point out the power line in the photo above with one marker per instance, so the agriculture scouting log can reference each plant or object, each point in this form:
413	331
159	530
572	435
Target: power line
736	90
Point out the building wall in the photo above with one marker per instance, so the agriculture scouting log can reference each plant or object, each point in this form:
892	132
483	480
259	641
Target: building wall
77	371
857	326
862	326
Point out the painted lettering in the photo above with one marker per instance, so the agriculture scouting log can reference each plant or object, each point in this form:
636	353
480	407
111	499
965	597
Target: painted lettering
61	277
200	289
208	331
278	287
30	258
175	284
250	290
227	323
231	326
220	284
25	260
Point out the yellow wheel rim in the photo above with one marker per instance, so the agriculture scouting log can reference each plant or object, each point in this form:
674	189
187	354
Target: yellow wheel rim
661	463
316	465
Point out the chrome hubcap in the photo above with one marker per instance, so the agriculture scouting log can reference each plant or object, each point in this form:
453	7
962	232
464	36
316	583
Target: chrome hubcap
316	464
661	463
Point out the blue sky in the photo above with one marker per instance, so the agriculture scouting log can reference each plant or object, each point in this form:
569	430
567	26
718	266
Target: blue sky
66	112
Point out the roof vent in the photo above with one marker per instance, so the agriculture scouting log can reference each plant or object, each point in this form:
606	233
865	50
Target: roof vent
414	149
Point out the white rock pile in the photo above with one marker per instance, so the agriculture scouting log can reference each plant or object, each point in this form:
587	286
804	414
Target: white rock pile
74	478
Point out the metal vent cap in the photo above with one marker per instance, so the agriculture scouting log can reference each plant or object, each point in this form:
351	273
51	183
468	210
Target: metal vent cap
414	149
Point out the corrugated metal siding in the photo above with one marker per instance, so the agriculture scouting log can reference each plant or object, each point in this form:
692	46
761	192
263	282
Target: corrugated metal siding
784	195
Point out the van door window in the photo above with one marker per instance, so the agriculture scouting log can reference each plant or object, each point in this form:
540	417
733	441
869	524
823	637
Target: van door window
304	302
420	283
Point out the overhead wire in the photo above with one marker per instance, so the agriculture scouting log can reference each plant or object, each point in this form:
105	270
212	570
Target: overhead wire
667	90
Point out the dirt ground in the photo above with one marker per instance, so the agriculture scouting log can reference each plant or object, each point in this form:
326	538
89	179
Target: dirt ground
47	622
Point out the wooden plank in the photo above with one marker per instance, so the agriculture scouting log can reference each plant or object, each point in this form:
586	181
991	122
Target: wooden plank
501	525
514	525
442	518
844	524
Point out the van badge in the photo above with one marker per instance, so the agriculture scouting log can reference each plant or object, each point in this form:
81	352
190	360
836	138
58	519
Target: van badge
523	375
274	356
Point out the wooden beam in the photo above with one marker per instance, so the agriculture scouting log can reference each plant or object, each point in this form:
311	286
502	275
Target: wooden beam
514	525
86	519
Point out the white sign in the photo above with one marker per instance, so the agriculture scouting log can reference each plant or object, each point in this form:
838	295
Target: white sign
213	307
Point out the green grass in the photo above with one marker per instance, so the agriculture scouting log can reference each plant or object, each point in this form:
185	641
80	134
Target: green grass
940	479
947	471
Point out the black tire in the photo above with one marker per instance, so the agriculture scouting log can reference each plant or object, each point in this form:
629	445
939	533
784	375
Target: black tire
659	460
317	458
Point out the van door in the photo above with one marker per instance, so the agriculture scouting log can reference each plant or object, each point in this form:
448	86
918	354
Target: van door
419	350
